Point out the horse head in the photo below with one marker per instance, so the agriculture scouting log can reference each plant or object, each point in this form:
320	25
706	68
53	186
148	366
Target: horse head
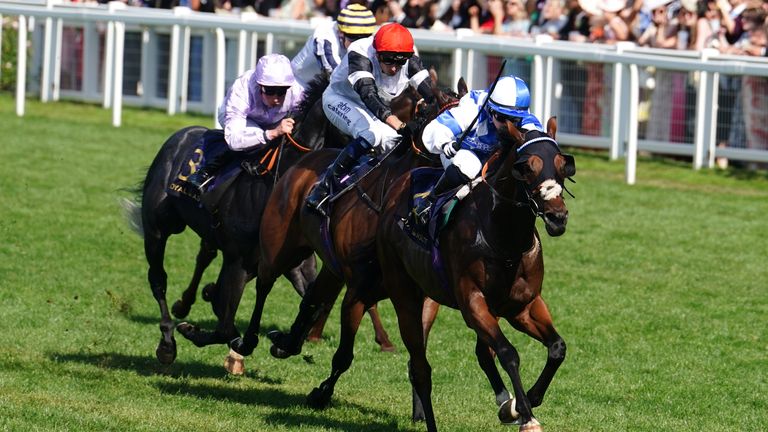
535	161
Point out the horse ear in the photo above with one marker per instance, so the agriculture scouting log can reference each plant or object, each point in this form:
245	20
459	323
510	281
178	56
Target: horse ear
433	75
552	127
514	132
462	87
569	168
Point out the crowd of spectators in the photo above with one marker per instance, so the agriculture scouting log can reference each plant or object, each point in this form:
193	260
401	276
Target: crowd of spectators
735	27
731	26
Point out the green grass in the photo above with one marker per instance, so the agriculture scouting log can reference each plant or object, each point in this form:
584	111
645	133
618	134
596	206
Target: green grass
659	289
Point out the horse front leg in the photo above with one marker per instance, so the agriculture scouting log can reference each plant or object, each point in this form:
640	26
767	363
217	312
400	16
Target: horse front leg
320	296
226	299
429	311
352	311
154	249
205	256
477	315
536	322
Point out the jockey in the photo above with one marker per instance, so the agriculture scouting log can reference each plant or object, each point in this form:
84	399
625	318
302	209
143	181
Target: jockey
509	101
255	111
328	44
374	71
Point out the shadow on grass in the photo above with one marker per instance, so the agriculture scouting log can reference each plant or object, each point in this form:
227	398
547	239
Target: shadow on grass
149	366
206	324
293	411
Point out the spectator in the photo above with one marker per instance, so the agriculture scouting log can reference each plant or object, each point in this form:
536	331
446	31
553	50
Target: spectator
460	14
506	18
552	19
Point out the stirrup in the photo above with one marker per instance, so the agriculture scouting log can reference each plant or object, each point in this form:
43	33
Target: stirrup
422	217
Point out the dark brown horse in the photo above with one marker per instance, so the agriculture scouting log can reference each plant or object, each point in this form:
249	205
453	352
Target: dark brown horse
290	232
234	231
491	232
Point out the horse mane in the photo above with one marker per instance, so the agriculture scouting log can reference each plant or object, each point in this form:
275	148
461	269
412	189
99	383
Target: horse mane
312	93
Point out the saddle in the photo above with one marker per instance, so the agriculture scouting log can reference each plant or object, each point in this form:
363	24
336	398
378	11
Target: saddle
211	145
422	181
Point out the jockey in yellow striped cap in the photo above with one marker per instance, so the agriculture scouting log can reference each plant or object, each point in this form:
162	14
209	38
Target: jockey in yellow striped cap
328	44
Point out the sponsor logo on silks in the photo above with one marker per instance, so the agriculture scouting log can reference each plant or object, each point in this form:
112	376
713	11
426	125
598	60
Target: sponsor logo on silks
341	109
193	164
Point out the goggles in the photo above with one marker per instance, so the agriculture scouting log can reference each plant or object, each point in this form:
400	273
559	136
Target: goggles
502	118
391	59
274	91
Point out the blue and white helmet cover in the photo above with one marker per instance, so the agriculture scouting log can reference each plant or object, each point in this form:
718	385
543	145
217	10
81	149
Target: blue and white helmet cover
510	97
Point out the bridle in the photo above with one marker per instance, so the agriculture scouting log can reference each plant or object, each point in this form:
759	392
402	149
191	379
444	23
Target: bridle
529	201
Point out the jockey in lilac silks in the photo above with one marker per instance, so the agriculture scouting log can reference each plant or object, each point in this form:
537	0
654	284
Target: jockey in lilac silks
509	101
255	111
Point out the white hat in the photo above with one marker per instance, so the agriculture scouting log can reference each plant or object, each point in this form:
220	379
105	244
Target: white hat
690	5
592	7
655	4
613	5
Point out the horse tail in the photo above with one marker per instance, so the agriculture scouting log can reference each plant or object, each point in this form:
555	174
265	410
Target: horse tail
132	213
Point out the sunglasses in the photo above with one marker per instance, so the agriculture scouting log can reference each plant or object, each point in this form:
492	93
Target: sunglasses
393	59
274	91
502	118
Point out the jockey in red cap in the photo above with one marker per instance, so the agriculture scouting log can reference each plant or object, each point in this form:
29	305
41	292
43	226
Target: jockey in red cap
374	71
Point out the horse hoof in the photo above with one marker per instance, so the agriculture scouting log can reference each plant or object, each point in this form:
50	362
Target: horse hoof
508	414
166	352
180	310
387	347
532	426
279	352
190	332
208	292
244	346
234	363
317	399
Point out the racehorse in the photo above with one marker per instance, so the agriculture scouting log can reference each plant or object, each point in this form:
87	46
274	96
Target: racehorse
233	230
290	231
491	231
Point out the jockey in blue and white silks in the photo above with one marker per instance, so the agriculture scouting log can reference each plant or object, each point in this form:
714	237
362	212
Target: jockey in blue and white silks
255	111
328	44
375	70
510	100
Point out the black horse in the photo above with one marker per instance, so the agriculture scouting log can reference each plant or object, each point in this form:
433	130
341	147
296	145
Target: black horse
234	229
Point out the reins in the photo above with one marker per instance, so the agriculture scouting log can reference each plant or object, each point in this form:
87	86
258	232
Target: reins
442	109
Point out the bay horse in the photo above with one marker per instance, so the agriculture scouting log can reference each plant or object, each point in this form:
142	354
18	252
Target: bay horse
290	231
491	232
234	230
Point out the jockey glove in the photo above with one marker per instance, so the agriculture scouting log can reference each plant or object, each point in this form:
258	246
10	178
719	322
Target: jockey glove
449	149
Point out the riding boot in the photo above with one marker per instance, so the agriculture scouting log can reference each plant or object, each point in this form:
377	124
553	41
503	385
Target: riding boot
331	178
206	172
452	178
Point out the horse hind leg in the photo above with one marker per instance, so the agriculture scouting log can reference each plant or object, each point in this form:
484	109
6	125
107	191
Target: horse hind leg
381	337
154	249
205	256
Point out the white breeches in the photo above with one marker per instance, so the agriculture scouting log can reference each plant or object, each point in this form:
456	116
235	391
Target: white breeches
355	120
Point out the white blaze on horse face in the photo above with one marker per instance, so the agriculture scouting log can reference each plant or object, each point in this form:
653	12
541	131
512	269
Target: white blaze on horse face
550	189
